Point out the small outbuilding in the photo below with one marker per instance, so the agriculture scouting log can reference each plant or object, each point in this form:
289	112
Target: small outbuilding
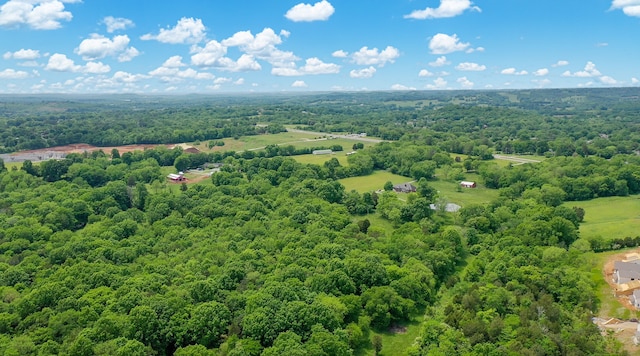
467	184
176	177
625	272
322	152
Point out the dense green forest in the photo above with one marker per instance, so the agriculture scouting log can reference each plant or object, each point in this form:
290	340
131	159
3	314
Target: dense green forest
99	255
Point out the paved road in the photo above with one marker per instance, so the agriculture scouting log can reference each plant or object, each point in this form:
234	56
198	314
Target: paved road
348	137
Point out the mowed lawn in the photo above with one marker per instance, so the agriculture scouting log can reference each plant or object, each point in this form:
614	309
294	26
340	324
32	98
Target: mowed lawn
611	217
372	182
464	196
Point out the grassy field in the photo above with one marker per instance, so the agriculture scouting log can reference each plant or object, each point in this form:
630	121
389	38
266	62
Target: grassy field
18	165
320	159
463	197
253	142
192	179
346	143
296	139
610	217
372	182
395	343
377	221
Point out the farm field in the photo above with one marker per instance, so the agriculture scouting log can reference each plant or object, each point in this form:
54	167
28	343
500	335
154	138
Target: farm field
296	139
258	141
611	217
372	182
320	159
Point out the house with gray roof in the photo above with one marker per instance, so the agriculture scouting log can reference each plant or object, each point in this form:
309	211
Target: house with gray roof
625	272
404	188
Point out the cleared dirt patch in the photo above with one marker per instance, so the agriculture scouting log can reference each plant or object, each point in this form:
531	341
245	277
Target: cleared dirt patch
59	152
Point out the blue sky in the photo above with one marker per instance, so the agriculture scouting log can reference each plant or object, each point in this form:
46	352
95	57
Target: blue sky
212	46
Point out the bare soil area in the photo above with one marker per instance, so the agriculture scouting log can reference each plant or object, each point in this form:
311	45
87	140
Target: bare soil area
59	152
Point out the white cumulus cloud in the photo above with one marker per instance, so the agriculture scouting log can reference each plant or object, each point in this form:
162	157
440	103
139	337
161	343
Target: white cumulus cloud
560	64
299	84
447	8
60	63
513	71
635	80
170	72
320	11
440	62
628	7
541	72
401	87
442	44
23	54
98	47
13	74
222	80
128	54
589	71
96	68
465	83
425	73
262	46
245	63
608	80
125	77
213	55
209	55
312	66
366	56
471	67
174	62
117	23
36	14
187	30
340	54
363	73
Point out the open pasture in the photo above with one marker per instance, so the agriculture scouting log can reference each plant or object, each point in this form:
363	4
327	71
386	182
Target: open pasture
372	182
611	217
260	141
450	192
320	159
